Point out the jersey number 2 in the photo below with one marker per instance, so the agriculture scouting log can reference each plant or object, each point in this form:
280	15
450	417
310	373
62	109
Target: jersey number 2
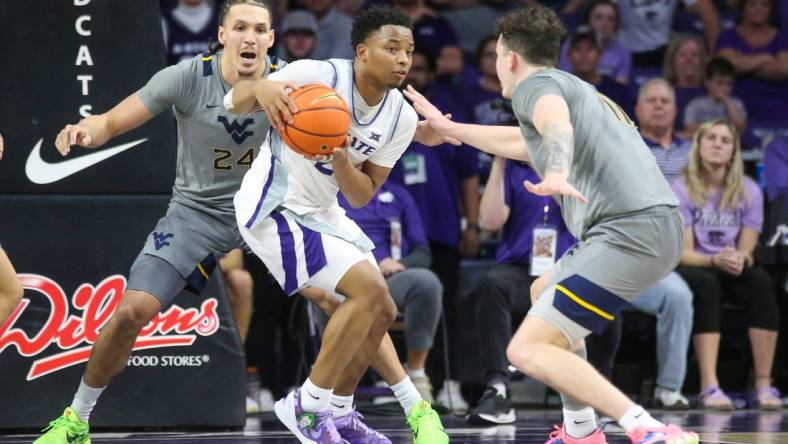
220	155
619	113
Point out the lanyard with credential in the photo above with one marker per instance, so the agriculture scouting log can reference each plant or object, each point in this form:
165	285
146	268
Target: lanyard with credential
545	239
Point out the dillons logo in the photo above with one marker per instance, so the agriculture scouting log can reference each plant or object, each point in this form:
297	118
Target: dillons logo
75	335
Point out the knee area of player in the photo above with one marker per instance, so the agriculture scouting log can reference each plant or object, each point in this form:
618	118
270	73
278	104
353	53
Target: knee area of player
524	355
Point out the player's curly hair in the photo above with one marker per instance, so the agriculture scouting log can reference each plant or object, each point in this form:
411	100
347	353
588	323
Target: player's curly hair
534	32
370	20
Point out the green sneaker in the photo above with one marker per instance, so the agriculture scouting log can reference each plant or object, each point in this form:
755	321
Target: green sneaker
426	425
67	429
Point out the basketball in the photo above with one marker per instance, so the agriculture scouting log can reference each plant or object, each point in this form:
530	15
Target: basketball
321	122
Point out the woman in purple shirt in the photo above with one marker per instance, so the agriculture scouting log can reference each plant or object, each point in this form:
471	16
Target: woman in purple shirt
760	54
723	214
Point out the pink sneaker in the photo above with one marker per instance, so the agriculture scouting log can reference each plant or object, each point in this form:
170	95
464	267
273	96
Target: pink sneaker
559	436
670	434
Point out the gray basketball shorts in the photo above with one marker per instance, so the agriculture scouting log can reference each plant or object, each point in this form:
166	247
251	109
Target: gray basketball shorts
615	262
182	251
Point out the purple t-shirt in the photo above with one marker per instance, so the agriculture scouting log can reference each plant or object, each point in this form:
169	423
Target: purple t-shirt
775	167
615	62
764	99
433	176
715	229
392	203
526	211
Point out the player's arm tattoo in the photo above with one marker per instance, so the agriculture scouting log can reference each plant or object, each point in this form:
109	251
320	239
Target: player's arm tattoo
559	142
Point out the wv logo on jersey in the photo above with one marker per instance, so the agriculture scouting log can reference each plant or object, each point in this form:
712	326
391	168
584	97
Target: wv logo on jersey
161	240
237	131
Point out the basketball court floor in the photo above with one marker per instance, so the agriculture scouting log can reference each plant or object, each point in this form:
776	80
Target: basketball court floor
741	427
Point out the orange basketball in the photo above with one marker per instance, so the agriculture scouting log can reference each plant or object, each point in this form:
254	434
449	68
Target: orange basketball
321	123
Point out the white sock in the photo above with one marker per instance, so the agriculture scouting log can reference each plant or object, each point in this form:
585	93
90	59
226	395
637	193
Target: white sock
499	387
85	399
406	394
341	405
636	417
314	398
416	373
579	423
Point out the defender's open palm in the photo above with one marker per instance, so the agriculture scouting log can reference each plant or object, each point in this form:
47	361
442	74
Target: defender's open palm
72	135
554	183
432	130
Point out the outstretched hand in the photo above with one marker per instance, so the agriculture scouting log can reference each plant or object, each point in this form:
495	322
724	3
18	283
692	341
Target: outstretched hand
554	183
435	126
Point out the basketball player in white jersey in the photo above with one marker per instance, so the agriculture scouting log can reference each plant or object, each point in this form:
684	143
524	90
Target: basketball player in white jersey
288	214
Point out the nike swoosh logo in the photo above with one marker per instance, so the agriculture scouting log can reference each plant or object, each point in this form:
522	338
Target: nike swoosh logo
339	406
212	106
310	394
582	422
42	172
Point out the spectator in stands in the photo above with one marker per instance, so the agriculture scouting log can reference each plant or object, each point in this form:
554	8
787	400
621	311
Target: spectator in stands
298	35
656	111
759	52
646	27
775	169
392	221
502	292
584	56
436	35
685	61
333	30
602	20
472	20
483	98
723	214
718	103
188	28
444	182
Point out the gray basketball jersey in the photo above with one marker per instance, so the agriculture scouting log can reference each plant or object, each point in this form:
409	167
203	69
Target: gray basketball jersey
612	166
215	147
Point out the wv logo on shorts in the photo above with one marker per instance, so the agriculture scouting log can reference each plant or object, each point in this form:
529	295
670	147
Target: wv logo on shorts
237	130
161	240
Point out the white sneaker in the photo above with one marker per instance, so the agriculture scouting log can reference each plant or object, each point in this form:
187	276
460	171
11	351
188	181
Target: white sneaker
450	396
252	406
266	400
670	399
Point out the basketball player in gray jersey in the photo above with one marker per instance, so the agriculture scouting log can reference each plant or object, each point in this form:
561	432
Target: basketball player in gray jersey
215	149
613	199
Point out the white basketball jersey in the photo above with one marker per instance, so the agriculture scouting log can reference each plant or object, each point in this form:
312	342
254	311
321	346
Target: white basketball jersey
378	134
